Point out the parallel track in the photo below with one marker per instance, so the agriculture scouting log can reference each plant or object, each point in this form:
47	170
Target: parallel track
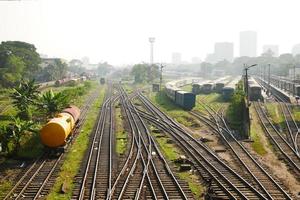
224	182
255	172
285	149
39	178
158	178
96	177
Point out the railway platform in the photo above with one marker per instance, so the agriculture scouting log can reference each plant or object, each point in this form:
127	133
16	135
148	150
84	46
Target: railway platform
277	91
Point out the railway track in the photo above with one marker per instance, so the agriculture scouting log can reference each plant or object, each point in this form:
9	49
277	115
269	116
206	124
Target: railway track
152	178
285	150
224	181
292	135
95	179
38	178
252	170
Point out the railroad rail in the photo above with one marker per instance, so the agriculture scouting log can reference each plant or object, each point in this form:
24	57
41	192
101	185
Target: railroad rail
95	179
38	178
224	181
251	168
157	176
285	149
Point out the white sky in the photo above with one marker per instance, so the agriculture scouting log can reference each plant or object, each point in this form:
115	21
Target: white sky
117	31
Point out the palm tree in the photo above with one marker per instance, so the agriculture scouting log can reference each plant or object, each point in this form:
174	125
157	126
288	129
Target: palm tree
18	129
24	95
53	102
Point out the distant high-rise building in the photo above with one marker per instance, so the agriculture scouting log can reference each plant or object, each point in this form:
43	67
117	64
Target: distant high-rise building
196	60
176	58
224	51
248	43
211	58
296	49
273	48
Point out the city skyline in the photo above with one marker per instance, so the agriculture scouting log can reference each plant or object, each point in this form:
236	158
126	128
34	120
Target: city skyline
56	28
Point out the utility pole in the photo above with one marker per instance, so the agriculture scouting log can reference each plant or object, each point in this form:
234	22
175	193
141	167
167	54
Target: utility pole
294	81
160	78
269	79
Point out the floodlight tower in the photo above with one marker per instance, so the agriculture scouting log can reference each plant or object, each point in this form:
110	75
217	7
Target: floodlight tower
151	40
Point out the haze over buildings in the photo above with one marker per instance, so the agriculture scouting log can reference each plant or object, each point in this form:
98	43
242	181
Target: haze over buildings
248	43
296	49
273	48
176	58
117	31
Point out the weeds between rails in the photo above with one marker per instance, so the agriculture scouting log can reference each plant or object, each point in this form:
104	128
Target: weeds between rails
224	182
160	179
39	177
285	150
260	178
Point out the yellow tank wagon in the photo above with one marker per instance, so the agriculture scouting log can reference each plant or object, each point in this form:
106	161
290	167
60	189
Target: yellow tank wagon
57	131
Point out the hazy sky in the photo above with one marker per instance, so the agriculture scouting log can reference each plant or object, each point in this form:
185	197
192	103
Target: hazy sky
117	31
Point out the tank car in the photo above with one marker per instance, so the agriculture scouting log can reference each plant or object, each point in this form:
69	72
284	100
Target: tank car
56	133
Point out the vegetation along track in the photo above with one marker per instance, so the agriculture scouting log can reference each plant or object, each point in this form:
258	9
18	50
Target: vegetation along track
250	168
285	149
224	181
95	177
152	178
39	177
292	135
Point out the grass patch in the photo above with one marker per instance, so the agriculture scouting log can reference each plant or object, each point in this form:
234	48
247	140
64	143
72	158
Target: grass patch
73	159
5	187
171	152
187	88
275	113
255	132
194	184
167	148
181	116
214	100
121	135
296	113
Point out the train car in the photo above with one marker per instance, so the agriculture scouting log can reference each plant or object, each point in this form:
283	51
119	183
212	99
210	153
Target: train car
102	81
185	99
196	88
254	89
207	87
229	89
297	88
57	132
219	86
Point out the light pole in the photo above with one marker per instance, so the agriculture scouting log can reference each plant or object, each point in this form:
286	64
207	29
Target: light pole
160	78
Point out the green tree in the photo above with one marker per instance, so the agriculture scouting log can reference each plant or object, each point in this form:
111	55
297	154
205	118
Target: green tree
104	68
17	130
56	70
10	75
53	102
139	72
24	95
23	51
